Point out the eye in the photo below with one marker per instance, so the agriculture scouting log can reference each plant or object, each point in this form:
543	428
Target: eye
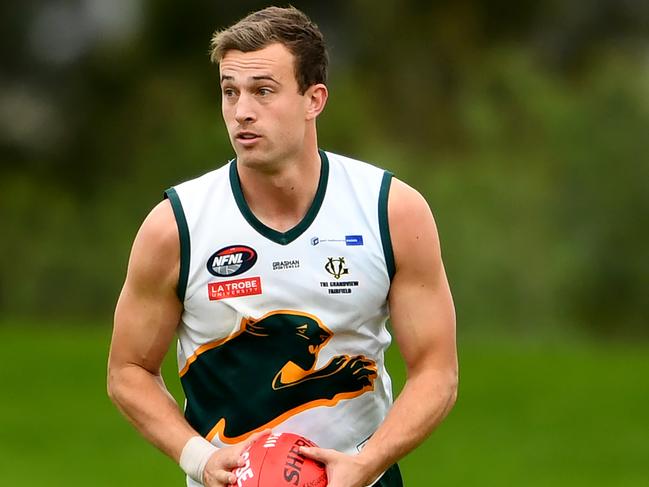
264	91
229	93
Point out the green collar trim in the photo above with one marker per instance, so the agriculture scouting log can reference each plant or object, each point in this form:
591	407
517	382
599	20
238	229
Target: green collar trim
287	237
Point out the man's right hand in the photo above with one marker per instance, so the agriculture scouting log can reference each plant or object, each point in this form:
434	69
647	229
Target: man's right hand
219	469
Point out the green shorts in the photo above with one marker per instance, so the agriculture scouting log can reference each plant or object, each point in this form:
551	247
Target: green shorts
391	478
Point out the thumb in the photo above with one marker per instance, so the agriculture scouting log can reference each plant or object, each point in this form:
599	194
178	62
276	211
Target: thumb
314	453
251	439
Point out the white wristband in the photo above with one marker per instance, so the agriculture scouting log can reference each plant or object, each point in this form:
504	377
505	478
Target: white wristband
196	452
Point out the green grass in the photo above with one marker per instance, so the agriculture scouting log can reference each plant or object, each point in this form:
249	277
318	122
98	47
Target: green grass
573	414
529	414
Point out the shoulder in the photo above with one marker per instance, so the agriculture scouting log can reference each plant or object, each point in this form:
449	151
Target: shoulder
363	178
406	203
352	165
203	180
155	254
412	227
190	195
159	228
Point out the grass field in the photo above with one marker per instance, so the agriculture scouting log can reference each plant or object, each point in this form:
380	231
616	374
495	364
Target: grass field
557	413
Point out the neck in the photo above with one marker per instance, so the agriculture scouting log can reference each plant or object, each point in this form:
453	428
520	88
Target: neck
281	196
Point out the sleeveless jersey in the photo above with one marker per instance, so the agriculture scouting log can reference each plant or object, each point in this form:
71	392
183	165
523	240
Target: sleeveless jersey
285	330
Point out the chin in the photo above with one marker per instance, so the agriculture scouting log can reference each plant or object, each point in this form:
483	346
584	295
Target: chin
255	157
248	158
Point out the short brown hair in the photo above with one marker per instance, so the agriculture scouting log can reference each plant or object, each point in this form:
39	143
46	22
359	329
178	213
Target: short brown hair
287	26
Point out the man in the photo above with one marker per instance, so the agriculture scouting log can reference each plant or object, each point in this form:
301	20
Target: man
276	272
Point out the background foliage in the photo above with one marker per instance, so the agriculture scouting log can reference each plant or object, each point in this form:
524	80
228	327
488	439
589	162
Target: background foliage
523	123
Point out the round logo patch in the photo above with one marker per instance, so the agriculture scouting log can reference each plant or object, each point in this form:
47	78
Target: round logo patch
231	261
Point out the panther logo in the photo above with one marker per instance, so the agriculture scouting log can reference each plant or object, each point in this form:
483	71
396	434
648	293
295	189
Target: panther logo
265	373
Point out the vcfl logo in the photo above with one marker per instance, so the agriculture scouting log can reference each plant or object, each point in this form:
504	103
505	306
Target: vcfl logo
336	267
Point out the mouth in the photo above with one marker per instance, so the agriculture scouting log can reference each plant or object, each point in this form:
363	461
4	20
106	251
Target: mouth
247	138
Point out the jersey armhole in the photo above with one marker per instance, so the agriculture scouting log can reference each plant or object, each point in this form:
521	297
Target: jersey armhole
384	225
183	233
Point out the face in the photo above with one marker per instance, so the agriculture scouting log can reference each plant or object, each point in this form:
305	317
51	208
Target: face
266	116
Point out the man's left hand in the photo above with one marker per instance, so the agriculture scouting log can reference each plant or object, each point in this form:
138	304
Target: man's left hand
342	470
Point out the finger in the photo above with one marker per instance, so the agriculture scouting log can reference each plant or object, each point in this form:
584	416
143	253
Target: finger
254	437
228	478
220	478
319	454
232	461
241	447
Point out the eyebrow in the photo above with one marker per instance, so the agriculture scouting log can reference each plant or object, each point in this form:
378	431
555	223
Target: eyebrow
266	77
263	77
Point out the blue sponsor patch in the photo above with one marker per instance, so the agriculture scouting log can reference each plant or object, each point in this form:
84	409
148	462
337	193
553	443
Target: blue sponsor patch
353	240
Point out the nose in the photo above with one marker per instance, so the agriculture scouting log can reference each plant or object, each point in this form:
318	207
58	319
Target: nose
244	111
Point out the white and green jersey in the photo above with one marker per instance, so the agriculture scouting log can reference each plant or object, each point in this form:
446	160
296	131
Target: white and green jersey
286	330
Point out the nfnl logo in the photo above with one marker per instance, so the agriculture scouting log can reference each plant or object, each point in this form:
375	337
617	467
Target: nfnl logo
231	261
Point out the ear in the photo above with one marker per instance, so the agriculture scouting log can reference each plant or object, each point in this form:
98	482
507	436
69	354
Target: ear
315	99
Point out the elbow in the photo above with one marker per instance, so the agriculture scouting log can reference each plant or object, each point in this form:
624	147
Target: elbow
127	383
452	383
114	385
111	386
453	388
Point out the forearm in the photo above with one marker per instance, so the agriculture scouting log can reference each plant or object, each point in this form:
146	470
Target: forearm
424	402
144	400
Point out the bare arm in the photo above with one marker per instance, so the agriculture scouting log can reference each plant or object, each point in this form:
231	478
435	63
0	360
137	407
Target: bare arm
423	320
146	317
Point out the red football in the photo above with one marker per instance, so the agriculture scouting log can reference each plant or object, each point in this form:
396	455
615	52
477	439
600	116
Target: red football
273	460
